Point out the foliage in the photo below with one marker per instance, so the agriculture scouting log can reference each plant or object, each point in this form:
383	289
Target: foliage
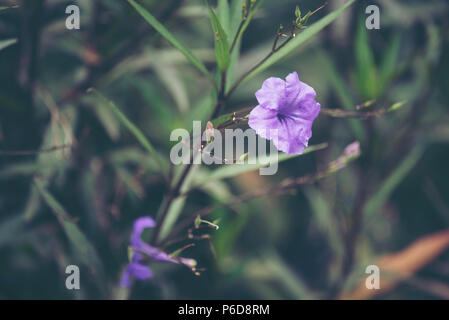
85	121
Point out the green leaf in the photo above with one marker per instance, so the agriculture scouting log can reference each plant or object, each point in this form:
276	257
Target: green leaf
289	280
155	101
32	205
221	41
374	205
232	170
6	43
222	119
106	117
131	127
297	12
3	8
389	64
300	39
10	228
83	248
223	15
219	190
202	110
176	206
367	77
20	169
224	242
327	223
343	93
167	35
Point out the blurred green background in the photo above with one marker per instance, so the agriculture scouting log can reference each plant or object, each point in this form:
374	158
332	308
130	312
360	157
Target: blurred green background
312	244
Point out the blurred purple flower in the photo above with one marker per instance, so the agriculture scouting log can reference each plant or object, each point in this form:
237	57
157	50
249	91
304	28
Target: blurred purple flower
137	268
285	113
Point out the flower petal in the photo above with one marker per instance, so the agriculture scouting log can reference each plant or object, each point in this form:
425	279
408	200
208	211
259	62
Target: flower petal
290	133
307	110
262	119
139	225
140	271
293	135
272	93
299	95
137	271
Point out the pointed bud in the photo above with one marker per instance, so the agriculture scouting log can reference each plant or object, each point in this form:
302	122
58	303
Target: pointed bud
197	221
209	131
251	4
243	157
396	106
297	12
306	18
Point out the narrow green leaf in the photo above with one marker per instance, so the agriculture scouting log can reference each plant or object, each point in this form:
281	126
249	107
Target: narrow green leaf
19	169
10	228
28	169
221	41
3	8
202	109
389	64
167	35
298	12
131	127
219	190
155	101
374	205
32	205
232	170
291	281
300	39
83	248
222	119
6	43
176	206
367	77
343	93
106	117
223	15
224	242
327	223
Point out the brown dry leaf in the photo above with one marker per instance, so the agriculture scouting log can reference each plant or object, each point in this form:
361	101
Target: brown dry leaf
403	264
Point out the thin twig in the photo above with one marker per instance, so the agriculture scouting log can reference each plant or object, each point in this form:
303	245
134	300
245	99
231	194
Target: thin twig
273	50
340	113
221	98
246	12
234	42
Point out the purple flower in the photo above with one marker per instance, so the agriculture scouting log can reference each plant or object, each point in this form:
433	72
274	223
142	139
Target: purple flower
137	268
285	113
